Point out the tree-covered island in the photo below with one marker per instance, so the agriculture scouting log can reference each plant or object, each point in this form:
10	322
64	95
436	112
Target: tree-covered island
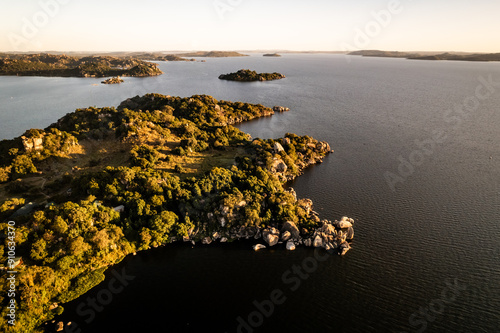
246	75
103	183
68	66
113	80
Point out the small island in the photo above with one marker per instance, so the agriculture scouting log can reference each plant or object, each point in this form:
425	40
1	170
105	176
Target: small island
103	183
68	66
272	55
113	80
246	75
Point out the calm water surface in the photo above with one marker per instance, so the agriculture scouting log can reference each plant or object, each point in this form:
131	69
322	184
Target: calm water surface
440	226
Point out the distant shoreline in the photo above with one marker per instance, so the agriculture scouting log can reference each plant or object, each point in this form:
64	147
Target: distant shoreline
454	56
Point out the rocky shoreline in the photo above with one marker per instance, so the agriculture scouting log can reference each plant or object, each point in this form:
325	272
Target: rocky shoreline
331	235
334	235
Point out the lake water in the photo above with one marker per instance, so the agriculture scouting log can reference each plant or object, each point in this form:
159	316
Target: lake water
426	254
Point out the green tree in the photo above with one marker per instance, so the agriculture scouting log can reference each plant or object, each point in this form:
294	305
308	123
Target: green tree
23	165
39	249
78	246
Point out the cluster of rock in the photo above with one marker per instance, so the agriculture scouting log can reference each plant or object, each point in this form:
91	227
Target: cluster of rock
30	144
60	327
113	80
333	236
330	236
280	109
279	167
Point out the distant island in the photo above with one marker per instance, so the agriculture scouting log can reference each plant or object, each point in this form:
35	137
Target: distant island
246	75
67	66
430	55
272	55
159	57
113	80
103	183
212	54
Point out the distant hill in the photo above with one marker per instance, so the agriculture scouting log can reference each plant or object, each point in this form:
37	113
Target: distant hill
430	55
377	53
44	64
156	56
272	55
460	57
212	54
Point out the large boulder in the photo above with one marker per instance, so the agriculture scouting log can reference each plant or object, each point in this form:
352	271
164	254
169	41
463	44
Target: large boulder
30	144
323	147
290	245
318	241
345	222
344	247
291	227
328	229
286	236
278	166
271	236
258	247
350	233
278	148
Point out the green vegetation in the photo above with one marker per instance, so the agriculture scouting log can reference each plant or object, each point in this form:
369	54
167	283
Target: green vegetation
63	65
248	75
177	166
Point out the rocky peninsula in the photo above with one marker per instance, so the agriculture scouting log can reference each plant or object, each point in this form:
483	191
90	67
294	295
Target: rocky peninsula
246	75
67	66
103	183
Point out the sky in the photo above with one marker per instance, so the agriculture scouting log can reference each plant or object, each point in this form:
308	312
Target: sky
296	25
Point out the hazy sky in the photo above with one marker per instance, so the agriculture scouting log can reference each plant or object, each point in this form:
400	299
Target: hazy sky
154	25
